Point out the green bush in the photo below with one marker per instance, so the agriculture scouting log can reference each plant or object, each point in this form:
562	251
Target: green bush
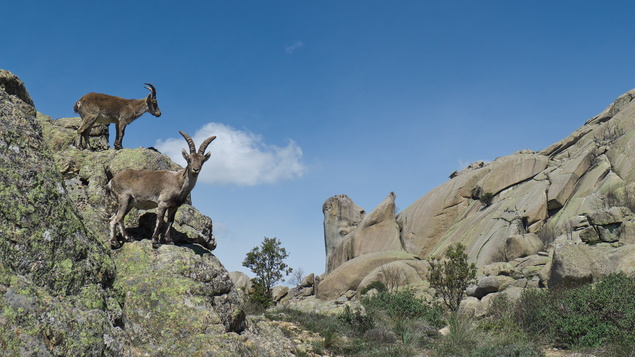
486	198
402	305
586	316
260	298
451	275
357	320
377	285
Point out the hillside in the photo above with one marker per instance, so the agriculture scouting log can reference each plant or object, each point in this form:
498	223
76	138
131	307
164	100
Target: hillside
64	292
559	217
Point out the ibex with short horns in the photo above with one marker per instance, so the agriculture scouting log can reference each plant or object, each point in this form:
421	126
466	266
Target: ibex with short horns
165	190
97	108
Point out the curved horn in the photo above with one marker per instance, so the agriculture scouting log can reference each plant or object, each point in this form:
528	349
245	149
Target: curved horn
190	142
151	89
201	149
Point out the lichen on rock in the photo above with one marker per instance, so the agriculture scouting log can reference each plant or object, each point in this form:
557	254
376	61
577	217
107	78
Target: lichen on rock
63	291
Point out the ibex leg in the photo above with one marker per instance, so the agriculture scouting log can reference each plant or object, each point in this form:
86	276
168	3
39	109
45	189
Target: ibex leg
121	130
117	219
84	131
157	227
171	214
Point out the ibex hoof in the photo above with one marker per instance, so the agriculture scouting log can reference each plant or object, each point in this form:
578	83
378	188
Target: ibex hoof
114	244
155	245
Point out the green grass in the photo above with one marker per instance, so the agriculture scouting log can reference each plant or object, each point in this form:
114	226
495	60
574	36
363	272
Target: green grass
599	318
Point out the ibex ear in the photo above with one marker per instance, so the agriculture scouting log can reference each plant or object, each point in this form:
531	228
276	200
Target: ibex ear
185	155
207	156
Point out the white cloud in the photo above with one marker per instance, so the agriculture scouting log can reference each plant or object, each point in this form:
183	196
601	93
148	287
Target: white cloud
289	49
239	157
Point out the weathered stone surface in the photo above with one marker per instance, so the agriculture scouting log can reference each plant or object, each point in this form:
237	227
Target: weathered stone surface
54	273
575	264
490	284
522	245
394	275
341	216
378	231
279	292
172	295
43	236
241	281
498	268
98	135
608	216
471	307
511	170
12	86
564	178
426	221
308	280
349	275
308	291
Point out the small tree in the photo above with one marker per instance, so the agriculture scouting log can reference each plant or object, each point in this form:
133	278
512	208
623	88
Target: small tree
267	262
451	275
296	277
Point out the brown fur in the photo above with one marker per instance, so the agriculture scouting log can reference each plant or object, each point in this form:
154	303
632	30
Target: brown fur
164	190
98	108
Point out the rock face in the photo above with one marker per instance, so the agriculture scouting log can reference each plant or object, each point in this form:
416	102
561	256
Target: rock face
86	174
349	275
63	292
179	298
54	272
377	232
341	216
579	191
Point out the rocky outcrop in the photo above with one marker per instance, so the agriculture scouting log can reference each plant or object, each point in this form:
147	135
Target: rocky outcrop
377	232
576	264
63	291
341	216
86	174
177	298
579	191
56	276
241	281
348	276
453	212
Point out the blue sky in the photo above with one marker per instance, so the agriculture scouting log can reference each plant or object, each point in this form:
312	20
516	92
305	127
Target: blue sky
310	99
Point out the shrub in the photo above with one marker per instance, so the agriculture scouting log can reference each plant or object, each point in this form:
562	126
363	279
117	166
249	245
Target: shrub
586	316
260	298
468	338
451	275
402	305
357	320
377	285
619	195
547	234
486	198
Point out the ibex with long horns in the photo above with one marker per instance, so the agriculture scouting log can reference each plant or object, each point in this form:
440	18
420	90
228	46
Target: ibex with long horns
97	108
165	190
